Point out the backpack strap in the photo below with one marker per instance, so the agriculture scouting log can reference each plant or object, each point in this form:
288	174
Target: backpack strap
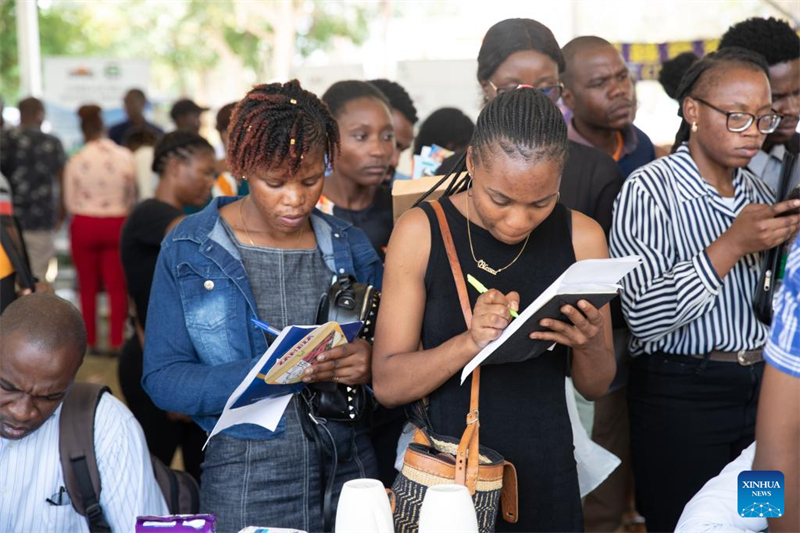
76	447
14	246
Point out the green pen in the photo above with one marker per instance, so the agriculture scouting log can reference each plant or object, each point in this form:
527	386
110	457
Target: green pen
481	289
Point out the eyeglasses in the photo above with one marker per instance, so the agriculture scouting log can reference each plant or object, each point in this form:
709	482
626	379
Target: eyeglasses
739	121
553	92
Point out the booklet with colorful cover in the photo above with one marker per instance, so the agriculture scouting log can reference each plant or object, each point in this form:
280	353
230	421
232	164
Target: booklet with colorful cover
262	397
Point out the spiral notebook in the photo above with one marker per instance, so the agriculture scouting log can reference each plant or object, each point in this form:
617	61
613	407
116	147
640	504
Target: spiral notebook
593	280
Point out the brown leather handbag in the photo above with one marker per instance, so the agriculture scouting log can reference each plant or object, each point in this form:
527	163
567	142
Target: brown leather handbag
433	459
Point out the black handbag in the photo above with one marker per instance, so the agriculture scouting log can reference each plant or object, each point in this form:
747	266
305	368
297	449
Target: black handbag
346	301
765	290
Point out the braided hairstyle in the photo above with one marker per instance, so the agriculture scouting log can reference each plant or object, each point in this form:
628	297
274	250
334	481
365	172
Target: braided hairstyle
703	74
398	98
279	123
178	144
523	123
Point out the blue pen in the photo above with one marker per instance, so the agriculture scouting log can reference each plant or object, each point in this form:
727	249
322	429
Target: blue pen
266	327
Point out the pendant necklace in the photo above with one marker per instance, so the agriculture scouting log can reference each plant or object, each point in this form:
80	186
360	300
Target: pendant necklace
483	265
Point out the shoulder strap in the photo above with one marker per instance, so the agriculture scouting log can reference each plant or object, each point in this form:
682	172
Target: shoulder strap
76	447
466	463
787	167
15	250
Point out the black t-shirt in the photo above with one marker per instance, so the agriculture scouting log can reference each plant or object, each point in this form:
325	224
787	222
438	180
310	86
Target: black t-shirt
139	247
377	220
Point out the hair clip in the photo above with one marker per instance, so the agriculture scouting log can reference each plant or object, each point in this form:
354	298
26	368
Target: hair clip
524	86
250	127
293	101
291	142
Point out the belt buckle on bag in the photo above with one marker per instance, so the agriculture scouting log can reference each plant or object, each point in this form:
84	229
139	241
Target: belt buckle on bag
743	359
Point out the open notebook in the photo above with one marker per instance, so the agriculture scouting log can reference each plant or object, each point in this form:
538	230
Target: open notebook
593	280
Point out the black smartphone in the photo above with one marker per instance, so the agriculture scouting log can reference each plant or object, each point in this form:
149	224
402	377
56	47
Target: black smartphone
793	195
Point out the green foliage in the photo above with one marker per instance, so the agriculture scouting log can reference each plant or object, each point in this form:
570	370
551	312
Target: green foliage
330	20
9	67
180	37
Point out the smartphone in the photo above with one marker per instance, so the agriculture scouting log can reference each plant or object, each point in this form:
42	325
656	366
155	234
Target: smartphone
793	195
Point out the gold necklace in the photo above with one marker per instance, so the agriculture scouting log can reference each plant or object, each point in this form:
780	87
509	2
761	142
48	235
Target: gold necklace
483	265
241	219
247	233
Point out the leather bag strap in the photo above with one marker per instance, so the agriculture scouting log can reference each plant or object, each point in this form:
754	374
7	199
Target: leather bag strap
467	458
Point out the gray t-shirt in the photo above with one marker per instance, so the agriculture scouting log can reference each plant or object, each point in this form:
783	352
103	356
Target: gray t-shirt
287	284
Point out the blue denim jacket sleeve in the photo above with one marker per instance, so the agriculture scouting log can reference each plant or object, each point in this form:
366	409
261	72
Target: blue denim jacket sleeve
366	263
173	375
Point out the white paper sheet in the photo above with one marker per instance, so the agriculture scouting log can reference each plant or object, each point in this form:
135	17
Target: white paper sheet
266	413
578	278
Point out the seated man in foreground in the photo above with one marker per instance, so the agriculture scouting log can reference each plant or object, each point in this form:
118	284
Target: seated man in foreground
44	340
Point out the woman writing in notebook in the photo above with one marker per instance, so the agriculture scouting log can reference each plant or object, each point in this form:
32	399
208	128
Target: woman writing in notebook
268	255
512	234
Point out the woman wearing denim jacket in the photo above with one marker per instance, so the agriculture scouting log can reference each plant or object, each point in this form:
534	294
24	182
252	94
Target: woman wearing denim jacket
268	255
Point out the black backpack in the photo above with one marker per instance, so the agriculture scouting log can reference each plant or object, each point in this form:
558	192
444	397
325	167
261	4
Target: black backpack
78	461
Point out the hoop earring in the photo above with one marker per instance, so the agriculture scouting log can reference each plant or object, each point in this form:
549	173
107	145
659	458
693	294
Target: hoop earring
470	191
694	127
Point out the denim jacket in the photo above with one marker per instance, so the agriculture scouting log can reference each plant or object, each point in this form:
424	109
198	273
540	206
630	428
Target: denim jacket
200	343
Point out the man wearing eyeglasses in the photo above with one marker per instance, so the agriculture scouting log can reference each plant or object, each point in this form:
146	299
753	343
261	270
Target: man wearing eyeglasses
599	91
780	45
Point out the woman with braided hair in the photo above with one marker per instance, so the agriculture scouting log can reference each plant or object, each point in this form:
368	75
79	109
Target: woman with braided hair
268	255
700	220
184	164
512	234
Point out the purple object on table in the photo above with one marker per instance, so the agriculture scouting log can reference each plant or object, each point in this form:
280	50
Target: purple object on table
187	523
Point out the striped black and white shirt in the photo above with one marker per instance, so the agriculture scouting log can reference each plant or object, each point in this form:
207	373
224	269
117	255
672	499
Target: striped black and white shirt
30	475
675	302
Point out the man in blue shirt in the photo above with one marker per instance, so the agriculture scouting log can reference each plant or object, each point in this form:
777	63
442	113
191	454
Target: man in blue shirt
135	102
599	91
778	427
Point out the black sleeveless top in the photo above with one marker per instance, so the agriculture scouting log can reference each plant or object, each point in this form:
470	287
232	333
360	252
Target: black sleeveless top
523	410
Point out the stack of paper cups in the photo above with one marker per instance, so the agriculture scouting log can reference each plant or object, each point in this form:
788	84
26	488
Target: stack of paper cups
364	508
448	509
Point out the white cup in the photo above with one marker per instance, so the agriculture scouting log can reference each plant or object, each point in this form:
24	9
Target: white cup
448	509
364	508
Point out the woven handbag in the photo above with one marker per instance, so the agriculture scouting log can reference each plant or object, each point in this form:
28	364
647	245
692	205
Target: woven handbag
433	459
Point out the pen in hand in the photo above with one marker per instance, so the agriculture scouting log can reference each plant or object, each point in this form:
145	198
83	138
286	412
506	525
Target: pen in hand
481	289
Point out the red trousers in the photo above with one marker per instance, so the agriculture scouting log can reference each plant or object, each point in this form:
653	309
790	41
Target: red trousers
95	252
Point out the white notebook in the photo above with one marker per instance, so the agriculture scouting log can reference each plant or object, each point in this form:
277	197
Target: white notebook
594	280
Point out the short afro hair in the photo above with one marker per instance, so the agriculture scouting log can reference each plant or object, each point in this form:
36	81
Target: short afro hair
398	98
672	72
772	38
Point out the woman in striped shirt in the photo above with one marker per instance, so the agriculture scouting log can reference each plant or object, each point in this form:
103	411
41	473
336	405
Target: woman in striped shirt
699	220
